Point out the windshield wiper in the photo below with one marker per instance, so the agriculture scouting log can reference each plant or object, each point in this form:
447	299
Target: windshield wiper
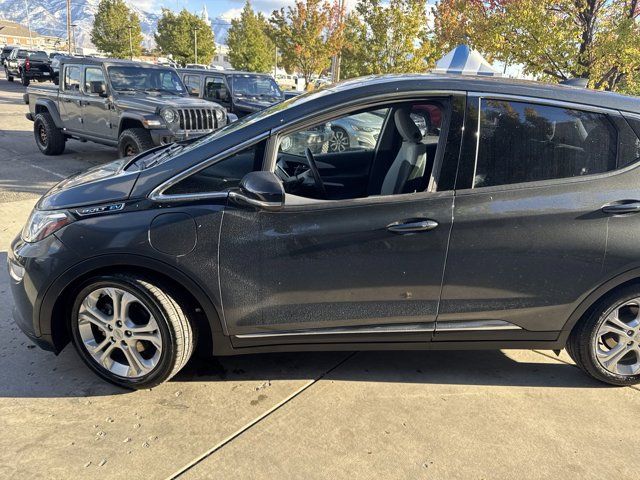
161	155
129	89
162	90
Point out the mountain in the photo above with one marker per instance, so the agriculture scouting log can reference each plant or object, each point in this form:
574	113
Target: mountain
49	17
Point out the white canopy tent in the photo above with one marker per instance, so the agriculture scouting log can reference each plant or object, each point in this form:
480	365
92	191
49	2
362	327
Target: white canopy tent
462	60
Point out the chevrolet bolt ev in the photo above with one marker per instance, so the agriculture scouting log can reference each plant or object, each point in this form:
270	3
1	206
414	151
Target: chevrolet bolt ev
510	222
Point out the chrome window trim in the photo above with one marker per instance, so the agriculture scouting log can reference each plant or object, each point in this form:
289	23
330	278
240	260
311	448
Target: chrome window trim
157	194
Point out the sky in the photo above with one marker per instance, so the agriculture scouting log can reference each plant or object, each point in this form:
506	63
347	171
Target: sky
226	9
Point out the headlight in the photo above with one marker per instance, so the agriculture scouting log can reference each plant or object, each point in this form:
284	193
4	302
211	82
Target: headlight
41	224
169	115
219	115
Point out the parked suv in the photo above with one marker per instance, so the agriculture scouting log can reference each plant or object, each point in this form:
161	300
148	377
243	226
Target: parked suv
28	65
241	93
512	225
134	106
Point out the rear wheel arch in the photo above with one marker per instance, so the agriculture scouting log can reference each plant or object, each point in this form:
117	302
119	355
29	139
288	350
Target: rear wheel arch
60	296
596	297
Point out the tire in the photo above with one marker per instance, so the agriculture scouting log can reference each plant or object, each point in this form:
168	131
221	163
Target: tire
165	318
594	334
49	138
339	141
24	79
9	77
134	141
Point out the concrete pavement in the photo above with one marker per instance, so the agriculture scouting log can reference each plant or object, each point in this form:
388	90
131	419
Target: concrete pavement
511	414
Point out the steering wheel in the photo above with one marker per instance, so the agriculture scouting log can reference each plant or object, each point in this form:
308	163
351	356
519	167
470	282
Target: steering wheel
313	168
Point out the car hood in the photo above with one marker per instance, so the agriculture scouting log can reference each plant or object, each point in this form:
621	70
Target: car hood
101	184
151	103
251	104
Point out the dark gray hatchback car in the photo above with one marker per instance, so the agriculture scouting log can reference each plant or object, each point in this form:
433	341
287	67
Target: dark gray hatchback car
512	222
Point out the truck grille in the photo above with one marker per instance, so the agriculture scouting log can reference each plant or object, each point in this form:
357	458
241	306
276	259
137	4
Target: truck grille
197	120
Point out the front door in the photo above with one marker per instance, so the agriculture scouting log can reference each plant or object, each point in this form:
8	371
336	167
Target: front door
340	270
96	110
529	235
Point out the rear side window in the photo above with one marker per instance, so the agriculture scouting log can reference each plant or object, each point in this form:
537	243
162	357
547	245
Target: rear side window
222	175
628	141
72	79
526	142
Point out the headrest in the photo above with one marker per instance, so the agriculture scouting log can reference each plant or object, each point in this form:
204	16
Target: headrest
406	126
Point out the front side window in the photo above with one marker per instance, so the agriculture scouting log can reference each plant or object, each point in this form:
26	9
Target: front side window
215	89
72	79
526	142
222	175
92	75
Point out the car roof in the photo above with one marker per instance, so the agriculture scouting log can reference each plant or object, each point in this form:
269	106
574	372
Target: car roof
109	61
483	84
222	72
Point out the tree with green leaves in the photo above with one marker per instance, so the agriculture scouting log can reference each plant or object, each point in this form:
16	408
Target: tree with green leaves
307	35
250	48
553	39
116	29
177	34
387	37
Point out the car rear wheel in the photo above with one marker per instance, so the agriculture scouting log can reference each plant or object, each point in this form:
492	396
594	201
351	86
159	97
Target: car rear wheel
24	79
134	141
606	343
49	138
130	331
9	77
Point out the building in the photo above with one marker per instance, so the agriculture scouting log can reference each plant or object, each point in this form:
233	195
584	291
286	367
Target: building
221	58
12	33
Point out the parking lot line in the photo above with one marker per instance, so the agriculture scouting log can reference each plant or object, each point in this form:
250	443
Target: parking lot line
258	419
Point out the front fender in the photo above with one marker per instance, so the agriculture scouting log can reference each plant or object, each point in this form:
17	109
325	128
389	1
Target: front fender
86	267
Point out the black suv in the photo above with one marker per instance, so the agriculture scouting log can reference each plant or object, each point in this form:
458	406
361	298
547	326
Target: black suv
132	105
510	224
241	93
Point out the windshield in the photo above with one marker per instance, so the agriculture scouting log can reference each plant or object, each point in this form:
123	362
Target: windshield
136	78
255	86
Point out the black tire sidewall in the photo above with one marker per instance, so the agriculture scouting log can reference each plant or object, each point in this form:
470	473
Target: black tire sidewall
131	137
168	355
589	333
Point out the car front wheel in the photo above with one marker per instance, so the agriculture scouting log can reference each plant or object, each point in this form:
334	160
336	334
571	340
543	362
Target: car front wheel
130	331
339	141
134	141
606	343
9	77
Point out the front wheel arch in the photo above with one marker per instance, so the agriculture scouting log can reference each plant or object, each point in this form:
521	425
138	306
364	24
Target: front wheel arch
59	296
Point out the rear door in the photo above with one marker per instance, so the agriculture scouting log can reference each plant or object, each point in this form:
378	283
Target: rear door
70	98
529	235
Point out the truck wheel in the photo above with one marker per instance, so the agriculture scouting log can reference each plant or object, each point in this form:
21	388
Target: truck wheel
134	141
9	77
24	79
49	138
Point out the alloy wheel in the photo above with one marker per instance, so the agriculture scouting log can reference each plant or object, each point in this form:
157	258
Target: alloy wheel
617	341
42	134
339	141
119	332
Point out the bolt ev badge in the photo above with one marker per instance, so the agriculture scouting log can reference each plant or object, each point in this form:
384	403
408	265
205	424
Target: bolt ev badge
100	209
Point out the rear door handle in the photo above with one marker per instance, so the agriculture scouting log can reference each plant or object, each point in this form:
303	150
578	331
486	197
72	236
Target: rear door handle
626	206
412	226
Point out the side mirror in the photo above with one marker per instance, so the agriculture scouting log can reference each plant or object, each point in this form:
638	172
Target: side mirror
260	189
99	88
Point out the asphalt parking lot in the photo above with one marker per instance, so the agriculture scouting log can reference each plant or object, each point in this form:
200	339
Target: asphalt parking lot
433	415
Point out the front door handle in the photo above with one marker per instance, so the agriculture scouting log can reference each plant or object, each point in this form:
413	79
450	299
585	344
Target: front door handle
412	226
619	208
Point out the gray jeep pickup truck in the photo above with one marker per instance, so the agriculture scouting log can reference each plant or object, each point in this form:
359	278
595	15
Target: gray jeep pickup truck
130	105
